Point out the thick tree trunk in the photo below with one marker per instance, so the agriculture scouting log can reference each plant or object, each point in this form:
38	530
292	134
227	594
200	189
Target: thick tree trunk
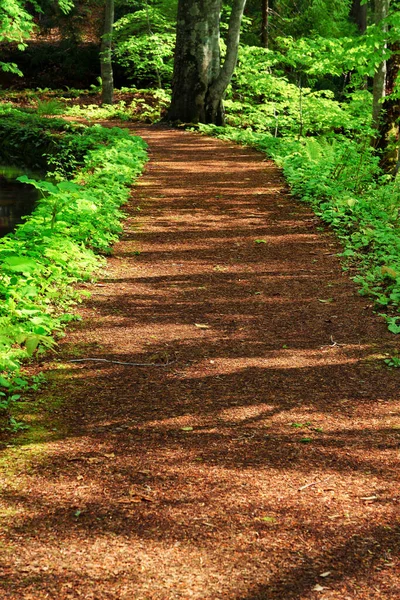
379	85
359	15
199	81
265	23
107	77
197	58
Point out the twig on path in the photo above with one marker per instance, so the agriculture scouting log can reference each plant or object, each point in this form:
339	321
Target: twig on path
118	362
303	487
333	343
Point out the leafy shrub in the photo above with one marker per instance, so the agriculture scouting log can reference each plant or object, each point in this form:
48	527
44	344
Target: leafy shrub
56	246
270	93
49	107
144	46
146	105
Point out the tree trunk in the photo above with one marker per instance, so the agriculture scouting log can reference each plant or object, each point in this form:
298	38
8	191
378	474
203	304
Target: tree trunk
359	15
107	78
197	58
199	81
265	23
215	93
379	85
389	134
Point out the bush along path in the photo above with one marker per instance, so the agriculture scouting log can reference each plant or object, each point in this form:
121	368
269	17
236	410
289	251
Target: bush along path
76	214
258	457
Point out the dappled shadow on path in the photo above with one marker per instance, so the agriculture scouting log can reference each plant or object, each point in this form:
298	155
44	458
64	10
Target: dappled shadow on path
262	455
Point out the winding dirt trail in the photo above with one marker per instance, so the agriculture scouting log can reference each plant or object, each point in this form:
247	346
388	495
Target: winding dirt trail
262	462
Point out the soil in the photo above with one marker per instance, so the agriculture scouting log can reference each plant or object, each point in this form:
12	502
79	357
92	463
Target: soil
258	456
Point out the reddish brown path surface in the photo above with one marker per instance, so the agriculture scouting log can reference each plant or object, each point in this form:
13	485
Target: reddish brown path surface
263	461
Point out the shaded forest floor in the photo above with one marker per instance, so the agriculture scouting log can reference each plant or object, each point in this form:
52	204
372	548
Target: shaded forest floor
259	458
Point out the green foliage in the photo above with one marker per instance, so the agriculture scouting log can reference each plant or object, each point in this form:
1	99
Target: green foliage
328	18
144	45
136	104
16	25
393	362
27	140
262	97
56	246
49	107
15	22
147	105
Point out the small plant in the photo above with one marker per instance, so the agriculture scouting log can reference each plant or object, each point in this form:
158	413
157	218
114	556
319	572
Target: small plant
393	362
49	107
15	426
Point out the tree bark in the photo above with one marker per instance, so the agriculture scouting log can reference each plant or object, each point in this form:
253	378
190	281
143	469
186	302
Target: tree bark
107	78
197	58
389	134
216	90
359	15
265	23
379	85
199	81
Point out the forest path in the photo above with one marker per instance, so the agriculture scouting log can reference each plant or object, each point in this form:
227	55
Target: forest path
262	462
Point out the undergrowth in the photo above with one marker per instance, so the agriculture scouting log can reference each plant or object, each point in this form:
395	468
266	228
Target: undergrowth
76	219
130	103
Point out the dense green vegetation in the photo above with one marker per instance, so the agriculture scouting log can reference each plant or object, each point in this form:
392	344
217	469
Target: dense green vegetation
77	217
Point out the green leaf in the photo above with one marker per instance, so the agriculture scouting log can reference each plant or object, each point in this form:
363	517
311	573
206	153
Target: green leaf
20	264
260	241
18	425
4	383
22	383
31	344
186	428
393	328
69	186
268	519
44	186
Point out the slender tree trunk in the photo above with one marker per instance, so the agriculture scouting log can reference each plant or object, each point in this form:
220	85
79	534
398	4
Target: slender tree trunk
379	85
386	112
265	23
301	108
199	81
389	134
359	15
215	93
107	77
